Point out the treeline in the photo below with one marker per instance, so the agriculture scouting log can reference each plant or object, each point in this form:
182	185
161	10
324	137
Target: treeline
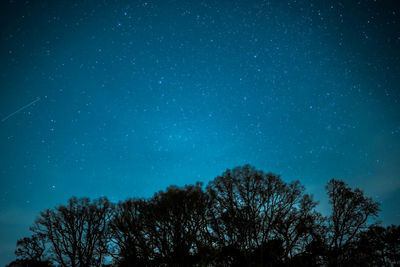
244	217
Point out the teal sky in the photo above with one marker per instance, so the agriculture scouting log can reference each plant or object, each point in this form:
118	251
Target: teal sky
124	98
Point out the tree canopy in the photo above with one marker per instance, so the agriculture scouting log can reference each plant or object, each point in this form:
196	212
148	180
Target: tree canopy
244	217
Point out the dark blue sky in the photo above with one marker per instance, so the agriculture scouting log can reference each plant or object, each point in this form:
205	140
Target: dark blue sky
128	97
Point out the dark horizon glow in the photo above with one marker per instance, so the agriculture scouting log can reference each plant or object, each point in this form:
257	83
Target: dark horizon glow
139	95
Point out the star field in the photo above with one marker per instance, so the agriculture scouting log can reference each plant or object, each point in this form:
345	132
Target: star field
133	96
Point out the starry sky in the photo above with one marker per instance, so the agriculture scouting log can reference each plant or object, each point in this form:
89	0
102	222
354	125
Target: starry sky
124	98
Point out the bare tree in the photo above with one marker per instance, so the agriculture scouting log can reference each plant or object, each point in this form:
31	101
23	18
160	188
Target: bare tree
350	213
77	233
251	208
244	218
177	225
300	226
31	248
131	243
168	229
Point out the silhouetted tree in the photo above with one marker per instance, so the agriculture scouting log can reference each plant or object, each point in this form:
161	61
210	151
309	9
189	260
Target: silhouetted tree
392	244
251	208
176	224
129	234
77	234
245	217
271	253
313	255
230	255
31	248
378	246
29	263
168	229
350	213
301	225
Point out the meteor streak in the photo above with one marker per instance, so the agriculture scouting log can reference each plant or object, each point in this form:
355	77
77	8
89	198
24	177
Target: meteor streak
20	109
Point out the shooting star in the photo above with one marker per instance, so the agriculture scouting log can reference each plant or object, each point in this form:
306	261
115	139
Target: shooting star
20	109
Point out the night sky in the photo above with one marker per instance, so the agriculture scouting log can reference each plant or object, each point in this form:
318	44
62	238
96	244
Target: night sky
124	98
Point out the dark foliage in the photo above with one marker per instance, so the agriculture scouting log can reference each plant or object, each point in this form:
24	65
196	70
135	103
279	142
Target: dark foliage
29	263
244	217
